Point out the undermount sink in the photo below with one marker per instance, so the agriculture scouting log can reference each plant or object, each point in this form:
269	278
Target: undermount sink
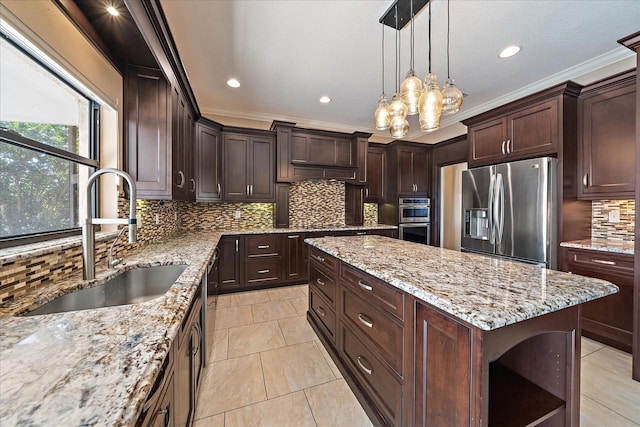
131	287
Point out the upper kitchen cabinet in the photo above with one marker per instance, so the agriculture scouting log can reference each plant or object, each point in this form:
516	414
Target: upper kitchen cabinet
182	133
315	154
409	166
208	161
375	190
248	166
606	136
527	128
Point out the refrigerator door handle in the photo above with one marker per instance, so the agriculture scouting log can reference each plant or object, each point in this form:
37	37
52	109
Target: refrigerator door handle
490	202
499	208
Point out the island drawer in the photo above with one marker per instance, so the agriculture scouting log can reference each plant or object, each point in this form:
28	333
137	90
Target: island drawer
262	245
612	262
323	312
323	283
379	327
374	290
263	270
324	261
379	383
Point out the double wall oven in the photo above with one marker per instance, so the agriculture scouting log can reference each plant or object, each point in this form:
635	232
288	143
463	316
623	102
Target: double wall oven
414	219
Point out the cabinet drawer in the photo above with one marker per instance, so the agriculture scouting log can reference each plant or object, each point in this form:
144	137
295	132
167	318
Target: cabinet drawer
324	313
379	327
613	263
262	245
263	270
324	261
380	384
323	283
374	290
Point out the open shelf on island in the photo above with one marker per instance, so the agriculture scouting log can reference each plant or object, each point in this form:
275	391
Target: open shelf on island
515	401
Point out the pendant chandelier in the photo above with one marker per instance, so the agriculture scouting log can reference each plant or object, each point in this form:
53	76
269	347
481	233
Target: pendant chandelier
430	102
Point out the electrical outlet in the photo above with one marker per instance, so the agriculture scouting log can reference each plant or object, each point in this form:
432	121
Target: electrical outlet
238	214
157	218
175	215
139	221
614	216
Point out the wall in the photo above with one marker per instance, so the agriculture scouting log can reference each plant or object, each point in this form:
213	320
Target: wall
603	229
451	205
316	203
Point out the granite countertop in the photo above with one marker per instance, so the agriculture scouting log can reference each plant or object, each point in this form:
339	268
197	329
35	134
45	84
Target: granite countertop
310	229
604	245
95	367
486	292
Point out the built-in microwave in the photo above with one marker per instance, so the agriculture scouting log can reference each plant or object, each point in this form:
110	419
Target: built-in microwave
415	232
415	209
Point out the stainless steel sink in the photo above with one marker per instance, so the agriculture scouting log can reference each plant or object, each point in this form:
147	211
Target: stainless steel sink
131	287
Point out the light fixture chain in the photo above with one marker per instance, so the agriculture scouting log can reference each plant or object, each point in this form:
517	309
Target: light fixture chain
383	58
430	36
412	36
448	36
397	55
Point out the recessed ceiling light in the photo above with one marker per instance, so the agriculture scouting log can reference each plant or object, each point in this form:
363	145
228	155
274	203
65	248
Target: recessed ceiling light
325	99
113	11
509	51
233	83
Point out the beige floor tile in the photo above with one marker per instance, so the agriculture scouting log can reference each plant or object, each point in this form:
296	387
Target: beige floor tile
611	359
232	316
285	292
231	384
589	346
224	301
593	414
333	404
249	297
328	358
215	421
255	338
301	305
290	410
617	392
272	311
296	330
218	342
294	368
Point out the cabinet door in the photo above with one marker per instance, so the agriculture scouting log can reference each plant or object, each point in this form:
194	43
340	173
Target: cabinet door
189	150
261	169
295	257
533	131
208	170
163	415
148	149
234	157
375	190
442	370
229	265
607	131
406	184
487	141
421	173
178	116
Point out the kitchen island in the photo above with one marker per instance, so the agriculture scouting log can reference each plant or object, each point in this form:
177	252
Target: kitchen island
429	336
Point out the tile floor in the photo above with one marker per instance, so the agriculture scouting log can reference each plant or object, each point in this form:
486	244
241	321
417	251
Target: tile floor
267	368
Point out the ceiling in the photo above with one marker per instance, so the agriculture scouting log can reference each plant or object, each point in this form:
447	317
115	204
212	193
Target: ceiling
286	54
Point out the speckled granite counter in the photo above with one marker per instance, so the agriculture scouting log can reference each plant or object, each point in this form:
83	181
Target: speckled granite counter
486	292
95	367
603	245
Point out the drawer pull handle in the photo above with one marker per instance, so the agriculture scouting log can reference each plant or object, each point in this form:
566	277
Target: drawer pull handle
364	286
366	322
320	282
319	258
293	237
361	233
263	246
602	261
320	311
369	371
263	271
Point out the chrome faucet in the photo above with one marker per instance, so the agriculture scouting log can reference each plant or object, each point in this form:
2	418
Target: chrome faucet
88	235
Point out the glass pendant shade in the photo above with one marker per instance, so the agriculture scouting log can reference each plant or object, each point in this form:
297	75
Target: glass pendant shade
451	97
430	104
397	108
410	91
399	127
381	117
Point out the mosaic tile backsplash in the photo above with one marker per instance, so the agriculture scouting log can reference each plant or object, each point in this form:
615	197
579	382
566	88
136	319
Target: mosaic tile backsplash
370	214
224	216
623	230
316	203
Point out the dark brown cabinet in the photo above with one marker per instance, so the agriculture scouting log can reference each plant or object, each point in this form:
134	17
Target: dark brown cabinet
182	135
409	168
354	208
262	260
606	138
295	259
609	319
375	190
208	162
159	408
248	168
229	264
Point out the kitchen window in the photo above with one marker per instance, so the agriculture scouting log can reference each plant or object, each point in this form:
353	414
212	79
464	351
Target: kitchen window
48	148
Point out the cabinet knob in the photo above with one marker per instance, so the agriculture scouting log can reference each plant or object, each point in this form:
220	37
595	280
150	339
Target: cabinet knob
366	192
368	371
319	282
321	312
182	179
364	286
585	180
219	189
263	246
263	271
366	322
193	185
503	150
508	146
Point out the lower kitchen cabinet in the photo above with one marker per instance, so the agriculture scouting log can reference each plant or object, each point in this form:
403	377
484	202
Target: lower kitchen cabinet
295	259
609	319
229	264
158	410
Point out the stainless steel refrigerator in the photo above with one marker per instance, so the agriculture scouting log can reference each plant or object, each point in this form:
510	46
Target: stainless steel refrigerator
509	210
